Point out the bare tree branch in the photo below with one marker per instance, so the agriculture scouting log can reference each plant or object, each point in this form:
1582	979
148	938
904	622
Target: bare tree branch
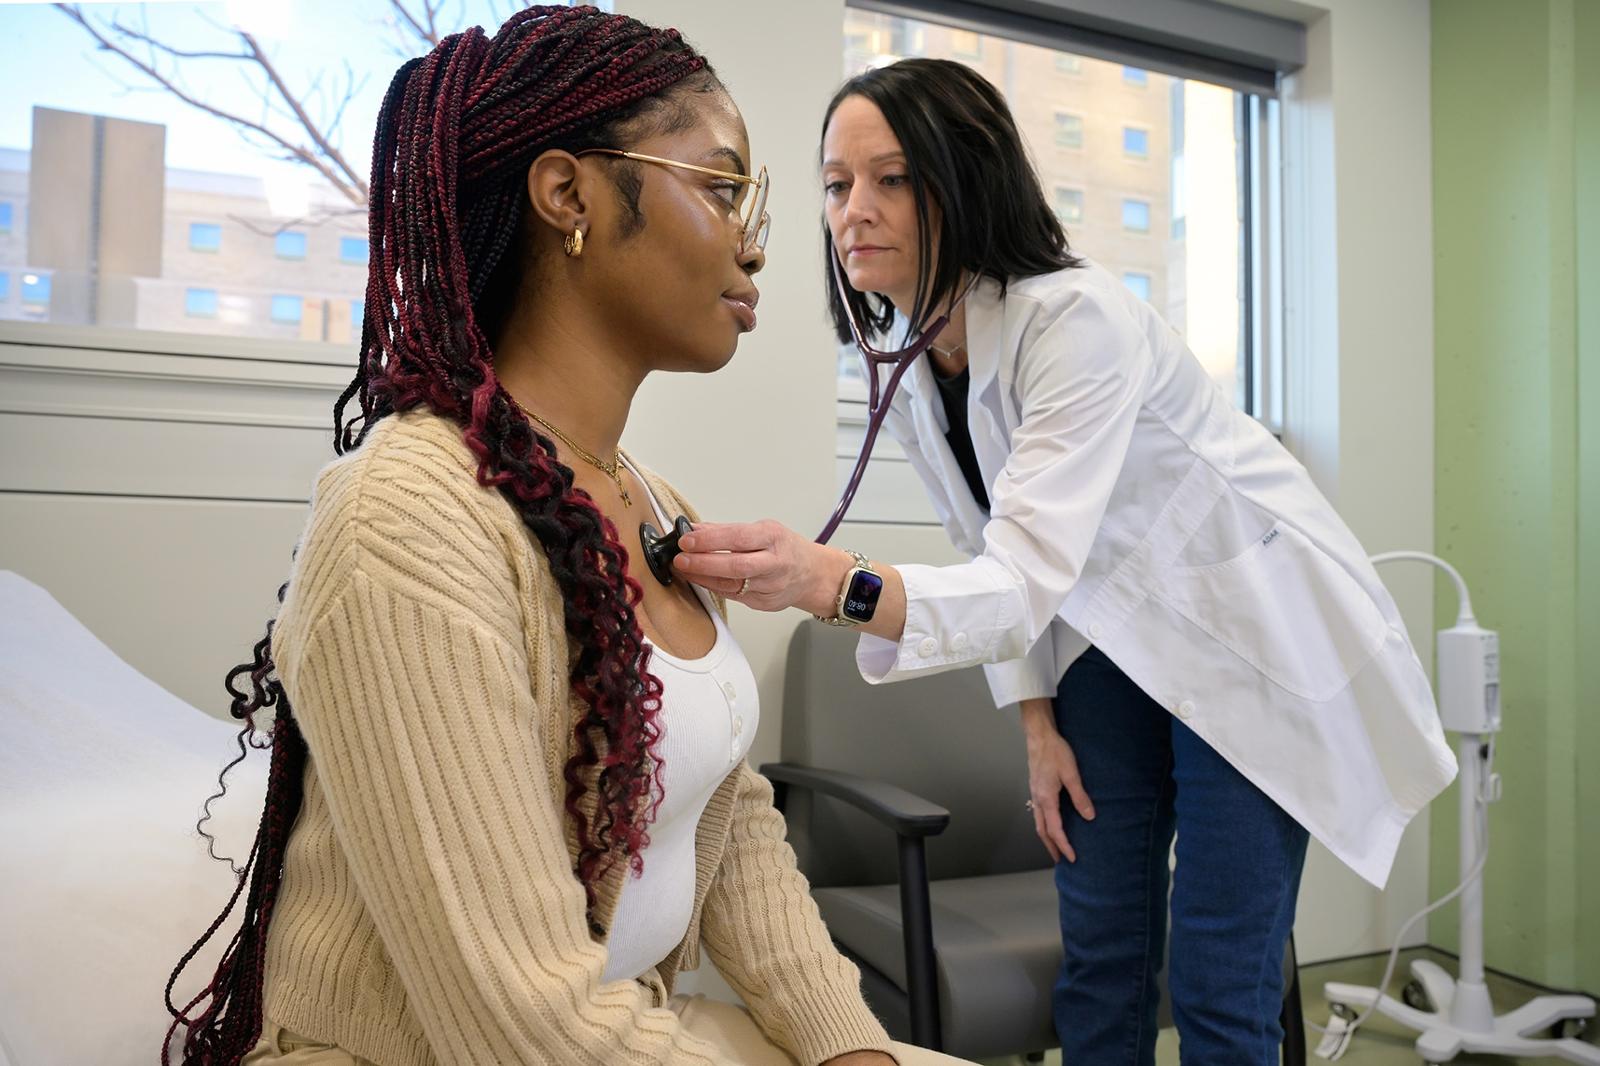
162	64
428	33
328	149
325	158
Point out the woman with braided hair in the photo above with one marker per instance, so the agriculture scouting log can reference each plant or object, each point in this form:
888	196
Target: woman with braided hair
507	800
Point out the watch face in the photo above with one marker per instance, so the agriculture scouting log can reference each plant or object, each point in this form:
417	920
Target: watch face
862	599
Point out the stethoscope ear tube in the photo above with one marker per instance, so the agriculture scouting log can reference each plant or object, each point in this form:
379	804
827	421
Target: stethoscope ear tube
878	405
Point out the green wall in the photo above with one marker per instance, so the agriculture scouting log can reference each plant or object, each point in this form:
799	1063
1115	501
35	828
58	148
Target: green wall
1516	158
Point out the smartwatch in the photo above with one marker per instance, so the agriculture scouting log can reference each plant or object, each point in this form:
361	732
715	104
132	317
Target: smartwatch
858	598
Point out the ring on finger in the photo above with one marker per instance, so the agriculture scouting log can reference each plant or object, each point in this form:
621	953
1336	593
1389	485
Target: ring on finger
1029	805
744	586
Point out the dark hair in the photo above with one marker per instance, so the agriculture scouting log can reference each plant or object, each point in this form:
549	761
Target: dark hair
964	154
456	135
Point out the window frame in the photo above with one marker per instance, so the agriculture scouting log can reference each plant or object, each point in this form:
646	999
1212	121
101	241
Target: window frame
1055	202
190	292
277	245
204	249
1059	114
1149	216
1143	131
366	250
273	303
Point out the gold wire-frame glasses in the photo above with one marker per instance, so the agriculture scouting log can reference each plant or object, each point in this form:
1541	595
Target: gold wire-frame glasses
757	224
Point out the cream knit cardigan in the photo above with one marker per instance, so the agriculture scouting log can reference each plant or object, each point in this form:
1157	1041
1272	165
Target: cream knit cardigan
429	912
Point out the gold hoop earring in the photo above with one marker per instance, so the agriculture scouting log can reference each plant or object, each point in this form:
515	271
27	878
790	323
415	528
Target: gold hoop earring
574	243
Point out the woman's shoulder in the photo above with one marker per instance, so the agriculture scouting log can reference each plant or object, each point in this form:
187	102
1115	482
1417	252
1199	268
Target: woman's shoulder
1086	302
1054	292
405	506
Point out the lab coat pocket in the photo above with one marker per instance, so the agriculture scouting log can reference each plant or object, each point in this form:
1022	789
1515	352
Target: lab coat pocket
1284	606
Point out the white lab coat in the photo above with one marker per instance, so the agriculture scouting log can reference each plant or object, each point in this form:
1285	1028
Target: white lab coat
1135	507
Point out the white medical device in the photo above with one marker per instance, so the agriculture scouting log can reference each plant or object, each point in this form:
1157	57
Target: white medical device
1455	1016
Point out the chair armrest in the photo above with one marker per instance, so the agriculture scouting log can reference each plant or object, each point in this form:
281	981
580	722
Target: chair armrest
909	815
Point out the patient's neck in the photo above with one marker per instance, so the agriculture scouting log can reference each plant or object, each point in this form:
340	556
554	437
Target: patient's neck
571	371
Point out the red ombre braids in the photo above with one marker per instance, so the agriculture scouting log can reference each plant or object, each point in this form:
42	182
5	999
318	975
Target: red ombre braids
456	135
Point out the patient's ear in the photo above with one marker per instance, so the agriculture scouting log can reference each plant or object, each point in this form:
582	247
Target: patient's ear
561	190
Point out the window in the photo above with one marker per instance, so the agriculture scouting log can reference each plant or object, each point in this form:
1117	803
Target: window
205	237
353	250
200	303
36	289
966	44
187	183
1069	130
5	285
1069	204
358	313
1136	216
290	244
287	309
1219	155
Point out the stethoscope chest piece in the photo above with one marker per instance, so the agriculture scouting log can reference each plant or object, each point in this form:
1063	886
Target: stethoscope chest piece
659	550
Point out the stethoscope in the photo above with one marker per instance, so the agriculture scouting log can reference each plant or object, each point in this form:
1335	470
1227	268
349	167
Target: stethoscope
660	550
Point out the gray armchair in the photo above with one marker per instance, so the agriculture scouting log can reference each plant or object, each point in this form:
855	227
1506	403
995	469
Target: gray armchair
931	765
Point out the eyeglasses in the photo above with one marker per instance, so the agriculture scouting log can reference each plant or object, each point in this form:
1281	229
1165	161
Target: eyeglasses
756	223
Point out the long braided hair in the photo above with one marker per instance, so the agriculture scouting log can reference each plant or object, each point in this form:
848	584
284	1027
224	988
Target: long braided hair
457	132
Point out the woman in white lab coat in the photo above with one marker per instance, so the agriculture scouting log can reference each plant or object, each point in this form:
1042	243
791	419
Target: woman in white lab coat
1154	579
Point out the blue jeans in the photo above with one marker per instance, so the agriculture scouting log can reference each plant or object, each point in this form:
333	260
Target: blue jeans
1238	868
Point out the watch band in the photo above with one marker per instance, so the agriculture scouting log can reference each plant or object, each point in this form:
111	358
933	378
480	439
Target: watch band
838	618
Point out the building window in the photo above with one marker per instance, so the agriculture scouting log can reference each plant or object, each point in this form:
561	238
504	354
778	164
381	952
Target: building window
287	309
1136	216
1069	204
358	313
353	250
1067	63
1138	283
5	285
290	244
205	237
5	216
1135	142
36	289
1069	130
200	303
1135	76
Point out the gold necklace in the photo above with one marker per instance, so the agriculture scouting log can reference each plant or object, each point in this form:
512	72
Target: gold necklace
613	469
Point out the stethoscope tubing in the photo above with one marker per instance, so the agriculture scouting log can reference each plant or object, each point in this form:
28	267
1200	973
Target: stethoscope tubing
878	407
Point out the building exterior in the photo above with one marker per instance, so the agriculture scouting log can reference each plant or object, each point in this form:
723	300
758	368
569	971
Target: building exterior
224	260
